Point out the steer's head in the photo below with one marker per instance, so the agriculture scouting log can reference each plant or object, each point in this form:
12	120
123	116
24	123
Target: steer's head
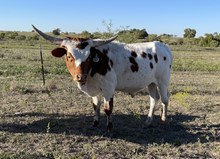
78	54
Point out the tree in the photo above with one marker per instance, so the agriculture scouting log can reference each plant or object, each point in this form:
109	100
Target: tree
2	36
108	25
216	36
189	33
142	34
132	35
86	34
56	31
209	40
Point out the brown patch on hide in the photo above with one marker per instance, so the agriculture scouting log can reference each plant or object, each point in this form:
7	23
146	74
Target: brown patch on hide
78	71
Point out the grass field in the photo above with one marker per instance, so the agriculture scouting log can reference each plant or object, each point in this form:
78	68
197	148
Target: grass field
55	120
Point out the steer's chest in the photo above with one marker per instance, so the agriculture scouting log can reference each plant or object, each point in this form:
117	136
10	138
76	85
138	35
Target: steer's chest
93	85
90	90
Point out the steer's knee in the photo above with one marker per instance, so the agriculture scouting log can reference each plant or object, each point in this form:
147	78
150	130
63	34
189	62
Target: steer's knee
96	107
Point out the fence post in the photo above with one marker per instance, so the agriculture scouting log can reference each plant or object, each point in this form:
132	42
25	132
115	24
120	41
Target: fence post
42	64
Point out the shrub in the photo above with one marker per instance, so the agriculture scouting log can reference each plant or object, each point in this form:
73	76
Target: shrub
2	36
20	37
56	31
11	35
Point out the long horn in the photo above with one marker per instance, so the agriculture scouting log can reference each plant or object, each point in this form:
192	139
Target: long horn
48	37
97	43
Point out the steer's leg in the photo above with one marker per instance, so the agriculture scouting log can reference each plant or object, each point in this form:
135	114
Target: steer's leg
163	88
108	107
96	105
154	97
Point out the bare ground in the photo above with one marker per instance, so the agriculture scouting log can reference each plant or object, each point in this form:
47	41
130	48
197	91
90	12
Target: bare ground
55	121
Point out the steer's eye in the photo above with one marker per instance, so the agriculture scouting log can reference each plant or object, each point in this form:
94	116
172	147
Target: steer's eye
69	58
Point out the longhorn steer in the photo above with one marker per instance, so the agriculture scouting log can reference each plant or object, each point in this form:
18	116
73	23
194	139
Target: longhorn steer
103	67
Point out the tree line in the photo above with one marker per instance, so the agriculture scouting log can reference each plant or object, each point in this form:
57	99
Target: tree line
13	35
129	36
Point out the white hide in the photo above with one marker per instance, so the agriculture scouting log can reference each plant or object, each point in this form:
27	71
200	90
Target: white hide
79	55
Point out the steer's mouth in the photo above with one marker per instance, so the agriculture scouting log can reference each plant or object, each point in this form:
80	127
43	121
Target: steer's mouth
81	82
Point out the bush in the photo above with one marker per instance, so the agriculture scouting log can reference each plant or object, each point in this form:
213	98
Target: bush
11	34
2	36
56	31
34	37
152	37
214	43
85	34
20	37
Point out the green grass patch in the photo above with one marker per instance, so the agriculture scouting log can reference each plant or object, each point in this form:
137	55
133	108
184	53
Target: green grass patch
195	65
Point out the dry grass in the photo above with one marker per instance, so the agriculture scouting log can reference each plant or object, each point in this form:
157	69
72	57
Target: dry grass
55	121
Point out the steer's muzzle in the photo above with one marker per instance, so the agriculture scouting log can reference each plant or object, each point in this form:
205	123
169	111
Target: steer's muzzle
81	78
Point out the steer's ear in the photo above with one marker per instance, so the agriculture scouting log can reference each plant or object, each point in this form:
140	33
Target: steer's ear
59	52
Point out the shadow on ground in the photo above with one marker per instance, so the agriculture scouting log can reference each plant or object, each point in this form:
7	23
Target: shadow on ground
126	127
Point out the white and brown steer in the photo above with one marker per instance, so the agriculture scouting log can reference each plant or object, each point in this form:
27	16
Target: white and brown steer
101	67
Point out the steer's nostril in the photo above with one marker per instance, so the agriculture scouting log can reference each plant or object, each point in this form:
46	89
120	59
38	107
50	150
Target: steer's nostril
78	77
81	77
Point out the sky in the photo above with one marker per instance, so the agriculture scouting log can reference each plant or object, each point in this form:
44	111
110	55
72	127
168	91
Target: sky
156	16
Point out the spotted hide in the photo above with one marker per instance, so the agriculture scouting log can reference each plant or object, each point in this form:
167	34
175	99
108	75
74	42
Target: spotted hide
101	67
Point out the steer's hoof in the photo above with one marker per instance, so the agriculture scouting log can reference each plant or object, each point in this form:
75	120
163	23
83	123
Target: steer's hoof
109	132
163	122
149	121
109	135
